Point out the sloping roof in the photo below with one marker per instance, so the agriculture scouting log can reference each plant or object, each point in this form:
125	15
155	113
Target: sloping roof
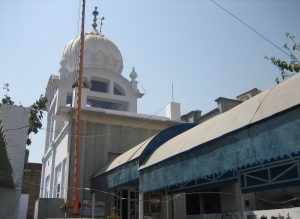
127	156
124	168
268	103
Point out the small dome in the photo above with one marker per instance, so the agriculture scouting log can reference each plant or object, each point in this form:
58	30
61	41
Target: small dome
99	52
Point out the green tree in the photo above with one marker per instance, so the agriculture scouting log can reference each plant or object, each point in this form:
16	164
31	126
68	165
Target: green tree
291	67
6	99
36	113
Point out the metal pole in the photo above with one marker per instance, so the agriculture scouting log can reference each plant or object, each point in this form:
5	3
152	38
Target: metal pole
75	210
141	205
167	204
93	208
241	199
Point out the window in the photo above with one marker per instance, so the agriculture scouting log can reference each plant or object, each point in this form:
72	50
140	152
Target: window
155	203
99	86
58	191
247	203
69	99
118	90
106	104
212	203
192	204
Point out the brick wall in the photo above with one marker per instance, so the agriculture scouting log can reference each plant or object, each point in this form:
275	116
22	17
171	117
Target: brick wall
31	185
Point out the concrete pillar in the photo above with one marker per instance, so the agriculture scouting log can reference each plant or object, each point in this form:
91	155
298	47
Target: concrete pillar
42	178
173	111
241	199
84	94
52	175
111	87
93	208
179	206
141	205
61	96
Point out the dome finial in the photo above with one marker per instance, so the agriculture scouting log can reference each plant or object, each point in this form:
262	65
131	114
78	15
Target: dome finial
95	13
133	74
101	24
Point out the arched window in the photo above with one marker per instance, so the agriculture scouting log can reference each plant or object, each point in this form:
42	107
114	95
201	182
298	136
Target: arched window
118	90
106	104
99	85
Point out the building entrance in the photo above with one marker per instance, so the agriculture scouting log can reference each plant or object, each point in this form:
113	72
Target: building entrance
126	204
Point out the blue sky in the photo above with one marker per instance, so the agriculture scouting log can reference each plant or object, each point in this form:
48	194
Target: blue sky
194	44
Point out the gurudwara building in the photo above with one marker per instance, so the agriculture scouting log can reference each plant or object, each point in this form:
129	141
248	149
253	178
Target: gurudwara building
239	161
110	124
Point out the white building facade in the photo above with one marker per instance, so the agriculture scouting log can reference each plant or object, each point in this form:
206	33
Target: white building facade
110	123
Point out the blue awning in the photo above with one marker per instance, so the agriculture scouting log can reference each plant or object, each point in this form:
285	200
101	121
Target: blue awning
271	139
124	169
263	128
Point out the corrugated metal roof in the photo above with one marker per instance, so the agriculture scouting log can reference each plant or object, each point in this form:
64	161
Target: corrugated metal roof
127	156
145	148
273	100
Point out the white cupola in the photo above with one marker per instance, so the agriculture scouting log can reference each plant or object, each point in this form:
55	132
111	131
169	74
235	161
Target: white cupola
104	85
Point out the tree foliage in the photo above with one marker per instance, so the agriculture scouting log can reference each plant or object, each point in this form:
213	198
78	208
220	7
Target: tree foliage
36	113
7	100
291	67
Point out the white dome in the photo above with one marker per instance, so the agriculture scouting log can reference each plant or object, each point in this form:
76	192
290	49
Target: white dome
99	52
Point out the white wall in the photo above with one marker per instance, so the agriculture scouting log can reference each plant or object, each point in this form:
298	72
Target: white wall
293	213
23	206
61	150
14	120
9	200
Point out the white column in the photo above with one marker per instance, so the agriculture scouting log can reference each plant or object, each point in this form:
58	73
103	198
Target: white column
42	179
240	195
93	209
84	94
111	87
141	205
52	176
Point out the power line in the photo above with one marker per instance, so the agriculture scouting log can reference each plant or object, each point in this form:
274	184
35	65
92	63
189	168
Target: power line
251	28
113	194
147	120
14	129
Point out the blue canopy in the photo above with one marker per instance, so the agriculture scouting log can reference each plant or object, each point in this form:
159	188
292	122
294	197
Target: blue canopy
124	169
272	139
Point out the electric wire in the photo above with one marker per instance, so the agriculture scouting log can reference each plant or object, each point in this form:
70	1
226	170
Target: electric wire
251	28
166	200
174	196
14	129
137	125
